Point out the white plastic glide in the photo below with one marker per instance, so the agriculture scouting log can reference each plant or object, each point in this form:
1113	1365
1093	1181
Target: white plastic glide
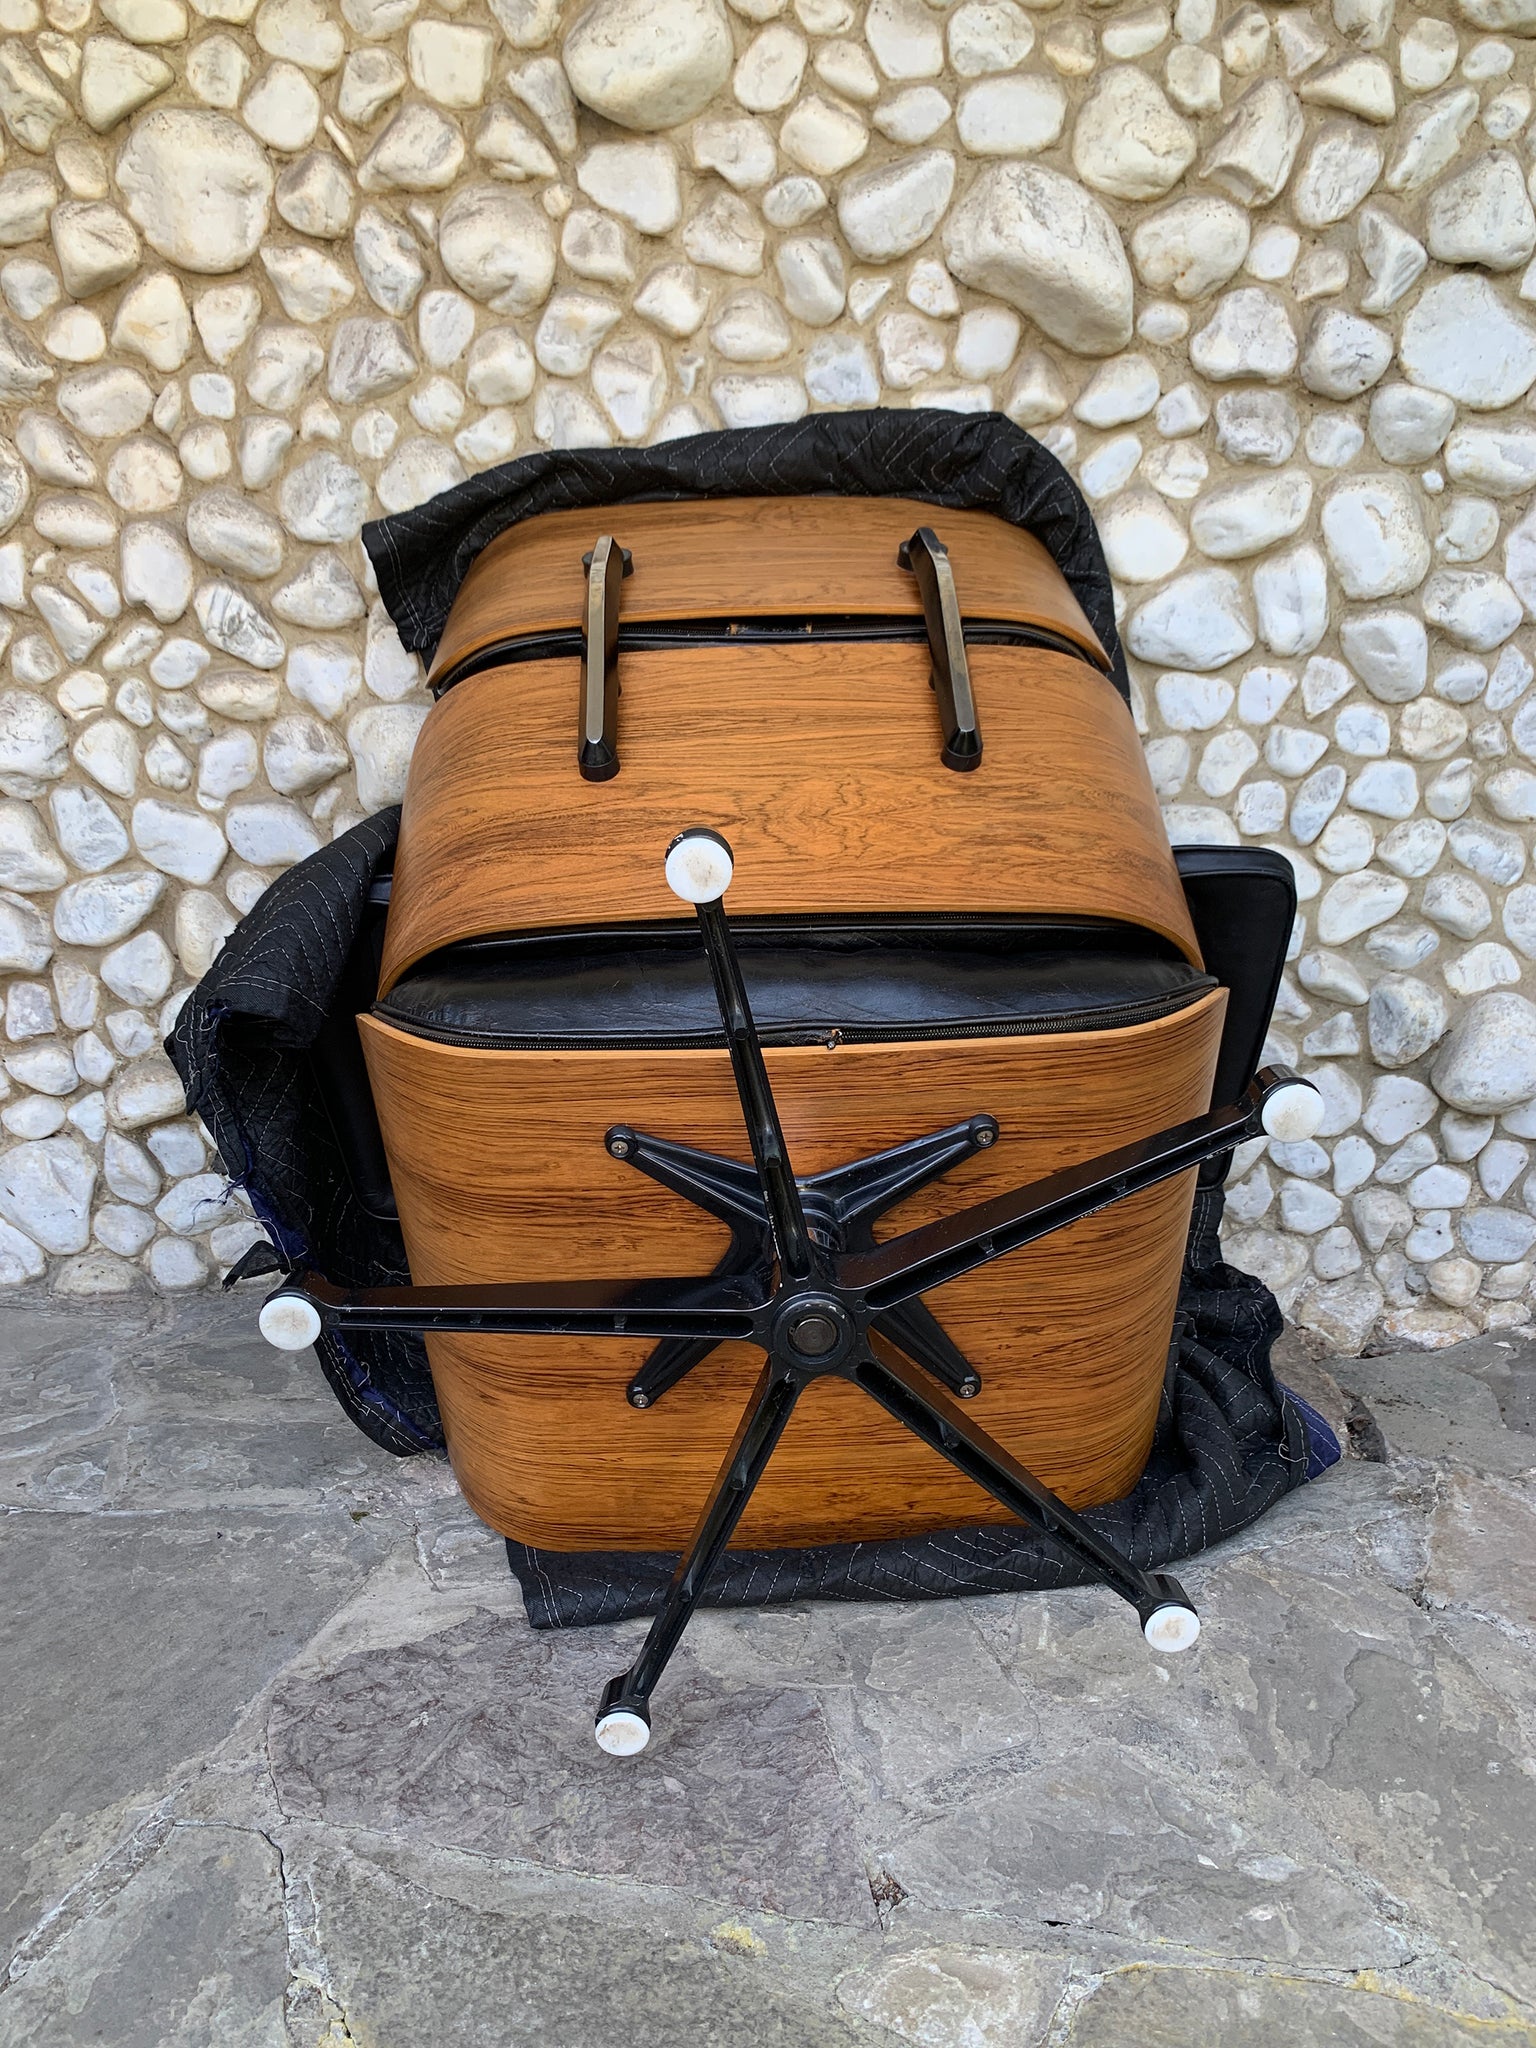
622	1733
699	867
289	1322
1292	1112
1171	1628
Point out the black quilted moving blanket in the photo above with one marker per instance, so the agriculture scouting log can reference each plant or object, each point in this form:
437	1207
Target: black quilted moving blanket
978	462
242	1046
1230	1441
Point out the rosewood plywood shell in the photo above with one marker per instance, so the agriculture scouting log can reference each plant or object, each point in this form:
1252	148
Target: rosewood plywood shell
734	557
819	762
500	1172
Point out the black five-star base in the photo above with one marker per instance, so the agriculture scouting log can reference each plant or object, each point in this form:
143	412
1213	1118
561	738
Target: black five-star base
804	1279
840	1207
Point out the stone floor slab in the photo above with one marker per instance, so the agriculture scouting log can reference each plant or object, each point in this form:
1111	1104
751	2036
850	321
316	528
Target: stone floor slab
131	1644
982	1998
192	1952
1171	2008
481	1738
244	1635
1483	1550
1428	1408
404	1950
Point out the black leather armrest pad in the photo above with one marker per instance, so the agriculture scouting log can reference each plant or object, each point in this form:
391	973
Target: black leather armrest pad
1242	902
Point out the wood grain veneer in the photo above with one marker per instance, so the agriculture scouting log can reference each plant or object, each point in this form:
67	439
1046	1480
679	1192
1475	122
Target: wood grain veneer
732	557
501	1174
820	763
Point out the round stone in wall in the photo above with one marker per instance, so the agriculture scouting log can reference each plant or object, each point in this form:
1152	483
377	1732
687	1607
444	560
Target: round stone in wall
648	67
1037	240
885	213
1190	247
1250	515
1128	141
33	744
1482	215
498	247
1462	339
1406	1017
45	1190
1488	1063
1375	540
1143	541
1200	621
198	185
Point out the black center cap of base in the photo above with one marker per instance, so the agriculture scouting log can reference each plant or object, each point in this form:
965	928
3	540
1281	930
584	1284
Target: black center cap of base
813	1334
817	1331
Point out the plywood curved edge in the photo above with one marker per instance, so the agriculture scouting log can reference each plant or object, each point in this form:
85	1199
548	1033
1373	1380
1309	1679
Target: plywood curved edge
706	558
819	763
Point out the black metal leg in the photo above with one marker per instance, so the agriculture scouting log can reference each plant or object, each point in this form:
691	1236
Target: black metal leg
792	1239
909	1265
914	1329
623	1722
726	1188
862	1193
951	1432
675	1357
707	1306
672	1360
859	1194
723	1188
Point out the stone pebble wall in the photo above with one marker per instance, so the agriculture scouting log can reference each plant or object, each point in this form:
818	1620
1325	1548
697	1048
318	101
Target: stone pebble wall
1259	277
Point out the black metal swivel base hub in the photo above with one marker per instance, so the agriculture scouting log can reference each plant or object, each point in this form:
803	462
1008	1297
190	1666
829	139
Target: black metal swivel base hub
805	1280
841	1208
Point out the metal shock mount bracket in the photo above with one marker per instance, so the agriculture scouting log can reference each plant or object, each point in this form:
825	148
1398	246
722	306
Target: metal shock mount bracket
926	556
597	743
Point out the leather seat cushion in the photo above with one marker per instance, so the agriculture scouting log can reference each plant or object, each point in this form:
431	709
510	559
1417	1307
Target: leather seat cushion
895	978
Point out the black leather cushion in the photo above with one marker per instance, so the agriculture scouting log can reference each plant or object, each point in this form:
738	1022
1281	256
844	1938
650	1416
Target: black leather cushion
1242	900
895	979
1243	903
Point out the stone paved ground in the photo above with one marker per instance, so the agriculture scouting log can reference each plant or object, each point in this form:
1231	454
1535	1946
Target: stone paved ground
284	1766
